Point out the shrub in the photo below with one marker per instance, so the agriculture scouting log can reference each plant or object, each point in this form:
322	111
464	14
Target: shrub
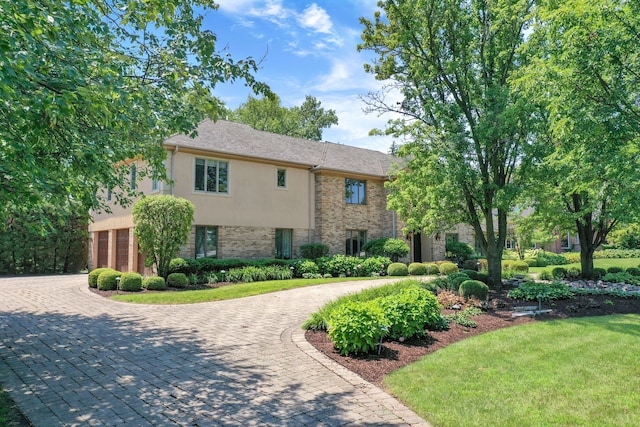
549	291
177	280
356	327
545	275
531	262
598	272
614	270
473	288
376	265
431	269
520	267
621	278
448	299
448	268
456	281
306	267
395	249
417	269
184	265
559	272
131	282
459	251
472	264
93	276
107	280
409	312
374	247
397	269
473	274
313	250
154	283
342	265
483	277
633	271
573	273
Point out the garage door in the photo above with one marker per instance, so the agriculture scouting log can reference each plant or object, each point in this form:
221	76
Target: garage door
122	250
103	249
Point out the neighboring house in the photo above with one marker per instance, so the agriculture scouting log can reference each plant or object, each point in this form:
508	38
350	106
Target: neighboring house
261	195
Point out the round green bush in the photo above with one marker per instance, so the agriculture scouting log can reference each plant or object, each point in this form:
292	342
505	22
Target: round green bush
520	266
598	273
483	277
531	262
356	327
507	264
431	269
107	280
154	283
398	269
457	280
473	274
614	270
93	276
447	268
130	282
473	288
559	272
410	311
306	267
417	269
177	280
633	271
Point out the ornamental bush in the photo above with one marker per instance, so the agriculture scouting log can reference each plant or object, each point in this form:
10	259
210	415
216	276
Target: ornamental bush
417	269
614	270
633	271
306	267
131	282
559	272
471	273
520	266
376	265
409	312
398	269
431	269
447	268
154	283
473	289
548	291
177	280
107	280
313	250
93	276
598	273
356	327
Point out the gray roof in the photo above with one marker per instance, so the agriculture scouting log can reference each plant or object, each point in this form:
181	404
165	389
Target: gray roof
225	137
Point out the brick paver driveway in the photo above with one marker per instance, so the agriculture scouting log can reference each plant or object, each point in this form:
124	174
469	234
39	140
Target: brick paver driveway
69	357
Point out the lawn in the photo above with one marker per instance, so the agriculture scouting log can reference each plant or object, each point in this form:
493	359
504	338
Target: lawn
600	263
232	291
574	372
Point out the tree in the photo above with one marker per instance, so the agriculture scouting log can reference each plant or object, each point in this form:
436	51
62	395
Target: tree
586	59
306	121
86	85
467	129
162	225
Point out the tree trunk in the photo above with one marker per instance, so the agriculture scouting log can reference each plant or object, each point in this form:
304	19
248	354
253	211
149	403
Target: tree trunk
586	259
494	261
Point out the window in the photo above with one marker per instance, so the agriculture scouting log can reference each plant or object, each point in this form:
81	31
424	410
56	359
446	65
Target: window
355	191
284	243
134	177
566	241
155	185
206	241
281	179
212	176
355	240
109	195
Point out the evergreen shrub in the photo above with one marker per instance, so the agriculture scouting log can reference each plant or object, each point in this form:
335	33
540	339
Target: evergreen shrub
177	280
107	280
431	269
131	282
154	283
417	269
398	269
473	289
447	268
94	274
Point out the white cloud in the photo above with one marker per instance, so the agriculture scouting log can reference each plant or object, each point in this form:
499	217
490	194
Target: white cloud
316	19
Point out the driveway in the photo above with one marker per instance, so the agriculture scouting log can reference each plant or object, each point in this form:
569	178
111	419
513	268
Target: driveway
69	357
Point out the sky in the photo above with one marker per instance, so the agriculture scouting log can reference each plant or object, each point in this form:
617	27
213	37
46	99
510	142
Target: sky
304	48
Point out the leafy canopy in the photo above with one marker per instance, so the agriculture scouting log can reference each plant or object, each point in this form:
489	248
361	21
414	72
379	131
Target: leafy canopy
87	84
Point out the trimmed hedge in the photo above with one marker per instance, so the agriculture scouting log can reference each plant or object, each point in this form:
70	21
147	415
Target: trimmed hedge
417	269
398	269
93	276
154	283
431	269
473	288
447	268
177	280
131	282
107	280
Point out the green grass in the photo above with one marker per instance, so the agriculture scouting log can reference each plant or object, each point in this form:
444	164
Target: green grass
239	290
600	263
575	372
10	415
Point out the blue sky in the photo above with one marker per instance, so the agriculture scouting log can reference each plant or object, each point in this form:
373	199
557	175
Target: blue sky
305	48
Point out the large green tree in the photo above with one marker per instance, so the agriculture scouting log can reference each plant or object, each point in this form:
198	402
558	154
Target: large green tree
85	85
467	128
586	76
162	225
305	121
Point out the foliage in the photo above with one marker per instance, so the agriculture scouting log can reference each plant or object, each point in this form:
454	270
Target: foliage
548	291
357	327
473	288
186	265
107	280
306	121
447	299
93	275
388	247
177	280
615	270
621	277
448	268
598	272
130	282
634	271
459	251
409	312
259	274
431	269
617	253
452	63
417	269
306	267
154	283
559	272
463	318
43	239
341	265
376	265
162	225
520	267
398	269
313	250
472	274
103	82
625	237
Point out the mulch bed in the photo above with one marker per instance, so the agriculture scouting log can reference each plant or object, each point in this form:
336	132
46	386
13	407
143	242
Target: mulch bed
394	355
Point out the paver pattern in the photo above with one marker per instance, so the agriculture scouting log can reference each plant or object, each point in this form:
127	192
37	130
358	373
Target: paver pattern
69	357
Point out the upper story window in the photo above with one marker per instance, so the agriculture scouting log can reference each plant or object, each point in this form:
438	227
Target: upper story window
155	185
212	176
355	191
134	177
281	178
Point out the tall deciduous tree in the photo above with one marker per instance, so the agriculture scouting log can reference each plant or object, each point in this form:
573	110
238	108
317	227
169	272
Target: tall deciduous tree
306	121
467	127
161	225
86	84
585	73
